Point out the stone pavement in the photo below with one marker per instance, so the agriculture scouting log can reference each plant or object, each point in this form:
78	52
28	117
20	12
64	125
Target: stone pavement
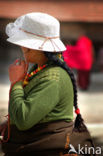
90	103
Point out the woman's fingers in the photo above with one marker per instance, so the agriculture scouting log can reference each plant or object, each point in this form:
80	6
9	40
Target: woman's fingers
17	71
16	61
22	63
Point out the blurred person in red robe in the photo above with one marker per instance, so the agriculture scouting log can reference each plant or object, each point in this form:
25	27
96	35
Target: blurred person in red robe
80	57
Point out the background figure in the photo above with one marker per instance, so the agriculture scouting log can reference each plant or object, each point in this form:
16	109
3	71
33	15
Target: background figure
80	57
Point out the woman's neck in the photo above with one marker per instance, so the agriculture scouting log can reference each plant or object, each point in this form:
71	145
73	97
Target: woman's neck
42	62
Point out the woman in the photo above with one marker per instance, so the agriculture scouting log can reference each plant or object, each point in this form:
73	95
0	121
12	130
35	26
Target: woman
41	101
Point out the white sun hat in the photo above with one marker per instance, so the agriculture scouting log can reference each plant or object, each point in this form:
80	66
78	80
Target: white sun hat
36	30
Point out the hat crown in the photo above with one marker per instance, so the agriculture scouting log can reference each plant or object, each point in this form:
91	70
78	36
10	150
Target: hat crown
41	24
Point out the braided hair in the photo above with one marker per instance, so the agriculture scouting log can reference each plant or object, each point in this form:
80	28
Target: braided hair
79	122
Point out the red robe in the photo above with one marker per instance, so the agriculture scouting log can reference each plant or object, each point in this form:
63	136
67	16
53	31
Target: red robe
79	56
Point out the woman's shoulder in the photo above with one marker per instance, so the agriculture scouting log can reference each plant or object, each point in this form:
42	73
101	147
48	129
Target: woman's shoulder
50	75
51	72
55	73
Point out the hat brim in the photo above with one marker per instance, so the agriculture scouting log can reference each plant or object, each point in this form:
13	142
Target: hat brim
35	42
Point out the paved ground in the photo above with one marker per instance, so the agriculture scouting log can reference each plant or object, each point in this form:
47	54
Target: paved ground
90	102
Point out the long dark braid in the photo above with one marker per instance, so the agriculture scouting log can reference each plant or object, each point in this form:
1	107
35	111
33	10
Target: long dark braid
79	125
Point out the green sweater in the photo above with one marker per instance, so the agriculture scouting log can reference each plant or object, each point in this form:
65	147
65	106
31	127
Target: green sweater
48	97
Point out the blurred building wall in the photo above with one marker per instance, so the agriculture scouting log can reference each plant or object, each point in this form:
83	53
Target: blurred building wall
77	17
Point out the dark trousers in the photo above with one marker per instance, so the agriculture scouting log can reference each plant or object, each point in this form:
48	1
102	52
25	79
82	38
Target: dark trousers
83	79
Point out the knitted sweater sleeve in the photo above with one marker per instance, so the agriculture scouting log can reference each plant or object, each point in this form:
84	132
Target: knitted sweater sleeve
26	112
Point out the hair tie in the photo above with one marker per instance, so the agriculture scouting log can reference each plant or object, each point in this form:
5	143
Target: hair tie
77	111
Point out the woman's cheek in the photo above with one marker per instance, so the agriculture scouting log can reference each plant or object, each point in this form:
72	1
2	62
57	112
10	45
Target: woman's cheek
30	59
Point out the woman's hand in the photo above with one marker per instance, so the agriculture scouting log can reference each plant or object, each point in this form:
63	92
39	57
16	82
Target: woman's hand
17	71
